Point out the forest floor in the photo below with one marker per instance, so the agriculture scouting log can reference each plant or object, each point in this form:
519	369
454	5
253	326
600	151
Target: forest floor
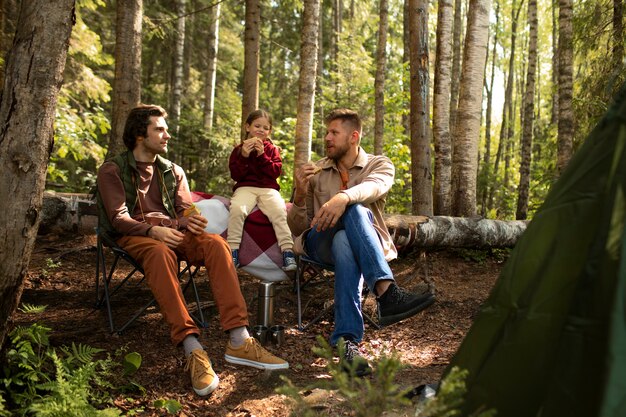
61	276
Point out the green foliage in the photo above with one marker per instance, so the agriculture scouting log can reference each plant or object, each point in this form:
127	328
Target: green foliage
364	396
70	380
372	397
450	398
170	406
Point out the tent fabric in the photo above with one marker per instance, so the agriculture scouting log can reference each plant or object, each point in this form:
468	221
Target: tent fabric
550	340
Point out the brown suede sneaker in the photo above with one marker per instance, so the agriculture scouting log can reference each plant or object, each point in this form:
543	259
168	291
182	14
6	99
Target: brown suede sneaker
251	353
203	379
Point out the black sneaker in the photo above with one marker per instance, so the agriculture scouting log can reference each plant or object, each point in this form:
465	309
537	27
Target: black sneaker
397	304
352	361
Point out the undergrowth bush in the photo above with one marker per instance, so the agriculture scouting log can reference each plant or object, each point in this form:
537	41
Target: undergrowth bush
371	397
76	380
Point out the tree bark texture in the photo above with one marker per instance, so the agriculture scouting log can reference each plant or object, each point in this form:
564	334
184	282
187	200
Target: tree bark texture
211	68
507	108
34	73
442	231
457	45
441	109
252	33
422	199
566	62
308	75
467	129
177	67
529	114
127	82
486	166
379	81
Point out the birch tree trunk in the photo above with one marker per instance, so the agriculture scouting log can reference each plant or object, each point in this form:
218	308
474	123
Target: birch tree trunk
507	108
34	73
529	114
555	64
467	129
456	60
441	109
379	81
211	68
422	199
566	62
306	90
177	68
127	81
252	33
486	166
446	232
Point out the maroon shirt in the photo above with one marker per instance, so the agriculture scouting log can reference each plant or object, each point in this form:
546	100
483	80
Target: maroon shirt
256	170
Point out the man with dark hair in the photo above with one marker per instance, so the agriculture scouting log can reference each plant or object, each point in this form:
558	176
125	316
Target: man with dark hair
338	217
142	198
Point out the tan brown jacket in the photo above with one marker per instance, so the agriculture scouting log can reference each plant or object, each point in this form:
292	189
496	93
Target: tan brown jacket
370	179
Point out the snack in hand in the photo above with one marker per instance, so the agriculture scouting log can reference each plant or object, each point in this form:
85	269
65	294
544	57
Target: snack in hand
191	210
316	169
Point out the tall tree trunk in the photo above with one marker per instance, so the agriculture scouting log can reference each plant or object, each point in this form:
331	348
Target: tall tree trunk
320	72
337	28
555	65
566	61
456	59
177	67
441	109
127	81
422	199
379	82
34	73
486	167
211	68
308	73
529	114
506	126
618	34
467	129
252	34
202	178
406	57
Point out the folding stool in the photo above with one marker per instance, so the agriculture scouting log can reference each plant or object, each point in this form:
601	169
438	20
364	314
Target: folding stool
316	269
104	277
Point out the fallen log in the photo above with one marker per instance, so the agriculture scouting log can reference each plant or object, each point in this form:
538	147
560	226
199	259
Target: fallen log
443	231
77	213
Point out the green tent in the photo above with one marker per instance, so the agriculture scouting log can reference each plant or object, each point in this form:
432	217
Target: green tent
551	338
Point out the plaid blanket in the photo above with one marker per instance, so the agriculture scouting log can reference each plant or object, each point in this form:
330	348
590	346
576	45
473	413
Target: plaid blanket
259	253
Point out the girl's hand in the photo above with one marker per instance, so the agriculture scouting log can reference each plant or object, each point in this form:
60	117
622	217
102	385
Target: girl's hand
196	224
248	146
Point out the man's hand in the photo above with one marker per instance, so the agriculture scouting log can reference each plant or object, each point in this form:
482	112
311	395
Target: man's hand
197	223
329	214
303	174
171	237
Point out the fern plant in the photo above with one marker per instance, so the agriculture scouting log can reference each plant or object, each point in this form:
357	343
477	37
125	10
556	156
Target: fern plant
71	380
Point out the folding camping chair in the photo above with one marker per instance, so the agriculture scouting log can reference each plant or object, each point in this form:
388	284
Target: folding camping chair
316	270
106	288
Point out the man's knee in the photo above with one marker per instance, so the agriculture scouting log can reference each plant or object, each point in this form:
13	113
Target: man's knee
357	210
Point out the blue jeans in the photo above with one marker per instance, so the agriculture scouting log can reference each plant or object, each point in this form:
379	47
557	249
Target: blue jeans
354	249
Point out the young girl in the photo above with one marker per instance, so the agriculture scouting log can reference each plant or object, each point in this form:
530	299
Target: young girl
255	164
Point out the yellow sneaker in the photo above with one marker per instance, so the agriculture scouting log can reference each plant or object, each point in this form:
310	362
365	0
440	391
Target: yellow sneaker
251	353
203	379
